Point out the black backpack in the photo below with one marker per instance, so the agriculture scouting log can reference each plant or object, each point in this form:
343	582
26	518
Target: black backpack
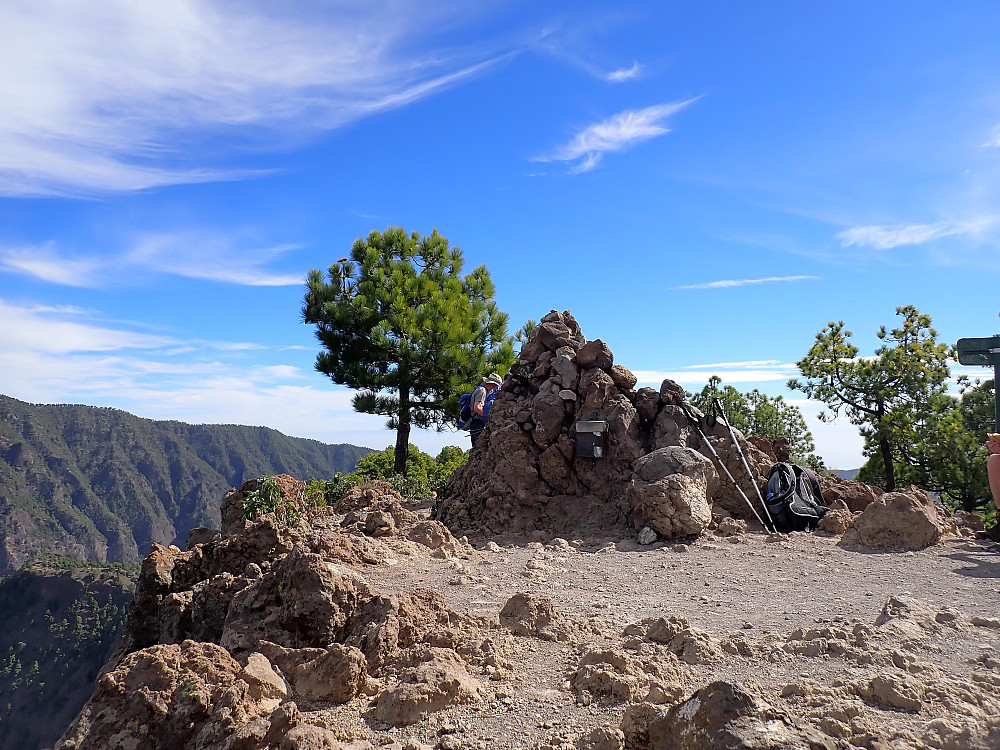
794	498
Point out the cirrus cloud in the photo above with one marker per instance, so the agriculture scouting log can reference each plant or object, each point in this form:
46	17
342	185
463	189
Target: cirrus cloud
619	132
114	95
886	237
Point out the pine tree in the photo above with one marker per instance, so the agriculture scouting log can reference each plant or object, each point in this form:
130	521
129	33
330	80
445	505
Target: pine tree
893	396
402	325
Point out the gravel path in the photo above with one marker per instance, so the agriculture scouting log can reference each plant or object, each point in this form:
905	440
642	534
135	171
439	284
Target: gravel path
753	587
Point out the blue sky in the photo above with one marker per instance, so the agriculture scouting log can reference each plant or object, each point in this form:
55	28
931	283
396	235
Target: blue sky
705	185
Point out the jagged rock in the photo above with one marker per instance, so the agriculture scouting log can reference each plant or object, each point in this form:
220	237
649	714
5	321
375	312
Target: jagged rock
669	492
440	680
176	695
646	536
336	675
623	377
595	354
566	368
689	644
724	715
302	601
292	492
729	527
613	675
528	614
602	738
366	495
897	692
647	403
835	521
855	495
200	535
671	393
904	618
897	520
384	625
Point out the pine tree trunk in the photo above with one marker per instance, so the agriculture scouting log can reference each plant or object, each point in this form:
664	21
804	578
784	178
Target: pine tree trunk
890	470
402	433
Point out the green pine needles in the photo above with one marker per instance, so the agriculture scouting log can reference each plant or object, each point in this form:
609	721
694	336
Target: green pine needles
402	325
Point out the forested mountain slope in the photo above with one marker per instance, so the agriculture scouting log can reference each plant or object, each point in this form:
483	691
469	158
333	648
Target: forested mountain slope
58	626
102	484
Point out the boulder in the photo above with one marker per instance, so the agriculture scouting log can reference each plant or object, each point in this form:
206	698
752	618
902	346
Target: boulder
897	520
623	377
440	680
835	521
302	601
595	354
336	675
855	495
724	715
532	615
176	695
647	403
669	492
602	738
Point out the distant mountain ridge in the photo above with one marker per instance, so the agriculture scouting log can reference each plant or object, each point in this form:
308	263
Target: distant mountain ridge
102	484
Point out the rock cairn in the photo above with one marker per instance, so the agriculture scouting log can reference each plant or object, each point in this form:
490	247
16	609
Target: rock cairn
526	475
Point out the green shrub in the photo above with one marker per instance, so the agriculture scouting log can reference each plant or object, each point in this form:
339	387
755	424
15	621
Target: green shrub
267	499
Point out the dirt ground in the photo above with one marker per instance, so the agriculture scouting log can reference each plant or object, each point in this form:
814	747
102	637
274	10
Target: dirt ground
786	598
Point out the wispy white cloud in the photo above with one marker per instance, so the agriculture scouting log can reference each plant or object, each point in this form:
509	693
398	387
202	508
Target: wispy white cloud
48	355
209	256
50	331
750	364
624	74
619	132
113	95
994	140
698	378
45	263
886	237
729	283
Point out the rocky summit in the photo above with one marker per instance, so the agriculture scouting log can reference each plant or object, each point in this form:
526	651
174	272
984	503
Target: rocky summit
555	599
538	471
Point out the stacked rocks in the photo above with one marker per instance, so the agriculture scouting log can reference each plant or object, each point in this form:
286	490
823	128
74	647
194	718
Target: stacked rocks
527	473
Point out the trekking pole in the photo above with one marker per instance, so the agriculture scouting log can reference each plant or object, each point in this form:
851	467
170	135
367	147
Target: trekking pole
697	425
722	411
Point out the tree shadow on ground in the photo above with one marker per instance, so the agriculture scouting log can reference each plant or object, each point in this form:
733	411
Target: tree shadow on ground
983	559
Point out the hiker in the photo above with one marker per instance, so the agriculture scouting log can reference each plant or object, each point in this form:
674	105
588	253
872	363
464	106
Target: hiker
993	470
482	400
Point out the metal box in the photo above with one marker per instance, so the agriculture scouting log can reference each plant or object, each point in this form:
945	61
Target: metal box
592	438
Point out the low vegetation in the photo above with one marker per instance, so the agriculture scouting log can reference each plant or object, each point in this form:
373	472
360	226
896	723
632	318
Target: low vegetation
425	476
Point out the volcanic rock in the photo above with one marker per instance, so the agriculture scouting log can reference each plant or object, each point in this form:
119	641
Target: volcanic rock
899	521
723	714
176	695
439	680
532	471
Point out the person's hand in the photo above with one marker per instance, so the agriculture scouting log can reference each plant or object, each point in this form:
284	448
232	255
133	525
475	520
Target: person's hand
993	445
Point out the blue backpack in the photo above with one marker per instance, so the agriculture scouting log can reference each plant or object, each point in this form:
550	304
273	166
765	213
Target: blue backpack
465	414
464	411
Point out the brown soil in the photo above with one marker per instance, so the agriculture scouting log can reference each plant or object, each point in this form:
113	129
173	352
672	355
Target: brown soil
753	589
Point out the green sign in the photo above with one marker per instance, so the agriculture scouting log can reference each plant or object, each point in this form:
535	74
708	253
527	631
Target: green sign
983	352
986	353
